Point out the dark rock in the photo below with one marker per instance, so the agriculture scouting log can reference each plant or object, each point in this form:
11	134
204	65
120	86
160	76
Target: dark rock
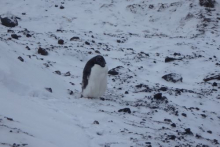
210	132
42	51
203	115
184	114
151	6
163	89
127	110
28	35
126	92
70	92
58	72
198	136
215	141
56	5
216	77
21	59
188	131
173	125
113	72
61	7
172	137
67	74
10	31
15	36
167	120
87	43
23	13
169	59
214	84
158	96
49	89
10	119
98	52
27	47
101	98
61	41
207	3
74	38
9	22
173	77
177	54
118	41
96	122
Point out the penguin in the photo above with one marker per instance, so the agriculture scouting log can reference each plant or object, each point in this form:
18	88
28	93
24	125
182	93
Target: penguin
94	80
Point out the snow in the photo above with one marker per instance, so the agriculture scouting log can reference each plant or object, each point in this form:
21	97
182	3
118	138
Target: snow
147	36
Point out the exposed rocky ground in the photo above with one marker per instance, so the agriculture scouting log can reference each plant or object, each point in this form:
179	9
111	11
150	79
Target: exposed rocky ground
163	80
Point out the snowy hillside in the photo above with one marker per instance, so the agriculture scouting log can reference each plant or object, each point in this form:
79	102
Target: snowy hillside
163	82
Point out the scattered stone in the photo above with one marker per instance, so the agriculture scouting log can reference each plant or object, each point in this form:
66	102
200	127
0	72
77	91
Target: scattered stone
118	41
203	115
210	132
58	72
21	59
23	13
173	125
167	120
151	6
163	89
61	41
216	77
10	119
98	52
126	92
126	110
28	35
10	31
9	22
188	131
15	36
172	137
177	54
70	92
74	38
159	96
87	43
169	59
207	3
42	51
184	114
214	84
113	72
61	7
96	122
173	77
198	136
67	74
49	89
101	98
56	5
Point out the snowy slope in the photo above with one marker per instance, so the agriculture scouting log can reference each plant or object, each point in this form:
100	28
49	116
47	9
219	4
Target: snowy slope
40	102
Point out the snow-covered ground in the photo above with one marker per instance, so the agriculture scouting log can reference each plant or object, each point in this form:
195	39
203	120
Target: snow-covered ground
40	102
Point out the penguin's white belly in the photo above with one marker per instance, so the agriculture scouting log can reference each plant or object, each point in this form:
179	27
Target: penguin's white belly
97	82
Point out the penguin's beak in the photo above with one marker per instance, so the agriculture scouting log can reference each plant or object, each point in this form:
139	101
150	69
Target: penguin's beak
103	64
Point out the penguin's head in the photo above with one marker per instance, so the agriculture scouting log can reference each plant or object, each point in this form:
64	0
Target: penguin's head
100	61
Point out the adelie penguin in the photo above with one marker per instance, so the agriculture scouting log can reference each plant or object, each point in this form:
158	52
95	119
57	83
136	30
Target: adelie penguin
94	82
